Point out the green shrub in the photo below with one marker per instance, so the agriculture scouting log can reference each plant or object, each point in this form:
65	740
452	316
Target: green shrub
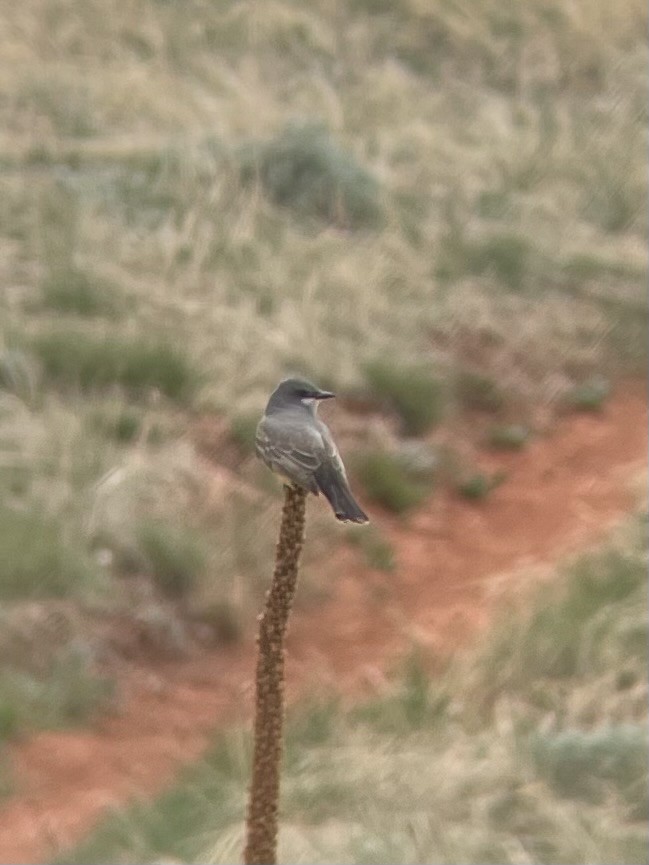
508	436
37	558
73	358
388	483
302	168
478	391
71	290
583	764
591	395
478	485
127	426
174	556
418	397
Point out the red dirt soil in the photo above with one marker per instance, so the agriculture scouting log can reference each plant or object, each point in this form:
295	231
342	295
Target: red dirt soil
560	494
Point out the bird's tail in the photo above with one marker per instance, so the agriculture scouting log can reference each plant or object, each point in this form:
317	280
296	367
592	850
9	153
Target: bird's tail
336	490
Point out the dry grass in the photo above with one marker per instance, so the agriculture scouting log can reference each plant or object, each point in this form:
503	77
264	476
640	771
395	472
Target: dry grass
170	244
493	179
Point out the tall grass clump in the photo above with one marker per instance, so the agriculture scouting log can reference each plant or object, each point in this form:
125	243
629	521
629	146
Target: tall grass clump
73	358
303	168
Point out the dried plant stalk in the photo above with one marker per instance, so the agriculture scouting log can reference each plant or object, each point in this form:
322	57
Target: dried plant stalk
263	803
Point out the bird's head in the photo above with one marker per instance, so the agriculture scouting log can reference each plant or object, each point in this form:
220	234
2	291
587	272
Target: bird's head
296	392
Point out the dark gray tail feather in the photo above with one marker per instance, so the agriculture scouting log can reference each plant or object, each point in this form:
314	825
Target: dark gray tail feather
335	490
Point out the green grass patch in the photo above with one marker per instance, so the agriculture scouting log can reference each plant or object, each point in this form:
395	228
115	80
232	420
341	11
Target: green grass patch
504	257
74	291
389	483
590	622
40	557
74	358
417	396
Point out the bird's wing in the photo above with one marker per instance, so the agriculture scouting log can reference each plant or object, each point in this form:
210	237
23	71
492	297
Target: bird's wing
331	451
295	451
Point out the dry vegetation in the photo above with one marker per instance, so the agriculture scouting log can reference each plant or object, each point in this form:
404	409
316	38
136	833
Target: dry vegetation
197	197
531	749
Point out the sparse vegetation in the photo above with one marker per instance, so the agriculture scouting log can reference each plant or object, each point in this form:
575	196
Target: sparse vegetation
504	738
195	200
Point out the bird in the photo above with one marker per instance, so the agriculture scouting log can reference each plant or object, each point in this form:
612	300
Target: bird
295	444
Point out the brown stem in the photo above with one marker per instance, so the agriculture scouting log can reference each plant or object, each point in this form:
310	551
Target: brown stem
262	822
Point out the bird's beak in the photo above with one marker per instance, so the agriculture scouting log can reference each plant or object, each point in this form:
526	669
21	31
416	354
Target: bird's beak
325	394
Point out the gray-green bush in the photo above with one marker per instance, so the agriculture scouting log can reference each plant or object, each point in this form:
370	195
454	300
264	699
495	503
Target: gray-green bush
304	169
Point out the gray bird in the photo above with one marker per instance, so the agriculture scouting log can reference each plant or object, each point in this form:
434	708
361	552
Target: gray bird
295	444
